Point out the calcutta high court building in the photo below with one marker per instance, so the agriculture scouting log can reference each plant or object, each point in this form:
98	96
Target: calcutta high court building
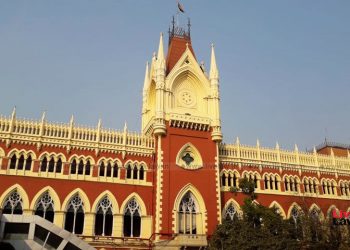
66	186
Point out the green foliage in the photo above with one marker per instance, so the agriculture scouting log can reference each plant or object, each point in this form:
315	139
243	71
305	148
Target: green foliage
263	228
247	187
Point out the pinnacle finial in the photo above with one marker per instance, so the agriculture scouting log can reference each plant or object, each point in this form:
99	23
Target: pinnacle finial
13	115
43	116
296	147
314	150
277	145
99	124
257	143
160	55
214	72
125	127
145	82
71	120
237	140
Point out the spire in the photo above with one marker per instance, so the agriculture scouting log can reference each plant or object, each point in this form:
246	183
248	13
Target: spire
237	140
13	115
277	145
125	127
214	72
160	55
43	116
99	124
145	83
71	122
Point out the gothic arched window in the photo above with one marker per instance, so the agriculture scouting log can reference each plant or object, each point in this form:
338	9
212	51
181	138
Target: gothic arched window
229	180
20	162
135	172
43	166
223	179
44	207
104	218
87	168
81	167
13	204
109	170
51	165
13	162
75	215
295	214
142	173
230	212
115	170
128	172
187	214
73	167
59	165
286	184
132	219
266	182
102	169
28	163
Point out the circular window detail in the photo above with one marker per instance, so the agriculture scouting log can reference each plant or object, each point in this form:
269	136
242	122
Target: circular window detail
186	98
189	157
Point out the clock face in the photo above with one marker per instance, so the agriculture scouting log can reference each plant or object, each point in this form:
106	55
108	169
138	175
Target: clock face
186	98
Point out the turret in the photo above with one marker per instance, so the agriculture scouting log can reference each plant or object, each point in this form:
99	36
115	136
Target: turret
215	97
159	126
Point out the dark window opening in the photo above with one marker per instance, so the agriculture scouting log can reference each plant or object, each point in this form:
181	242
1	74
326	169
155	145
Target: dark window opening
142	173
87	168
13	162
73	167
135	172
109	170
81	167
115	170
20	163
28	163
128	172
102	169
43	165
51	165
59	166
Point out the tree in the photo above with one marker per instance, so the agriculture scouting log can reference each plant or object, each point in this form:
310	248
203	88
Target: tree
262	228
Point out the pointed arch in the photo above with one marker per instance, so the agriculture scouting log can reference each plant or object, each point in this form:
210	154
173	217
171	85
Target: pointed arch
111	197
190	152
279	207
82	195
139	201
330	211
20	190
318	209
201	217
53	194
294	204
235	204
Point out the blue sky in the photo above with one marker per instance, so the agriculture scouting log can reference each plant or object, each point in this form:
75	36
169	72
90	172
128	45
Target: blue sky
284	65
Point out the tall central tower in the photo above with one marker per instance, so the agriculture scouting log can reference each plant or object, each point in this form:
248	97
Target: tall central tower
181	108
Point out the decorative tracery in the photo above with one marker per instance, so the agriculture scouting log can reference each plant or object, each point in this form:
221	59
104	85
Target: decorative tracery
132	219
75	215
104	217
187	214
230	212
13	204
45	207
